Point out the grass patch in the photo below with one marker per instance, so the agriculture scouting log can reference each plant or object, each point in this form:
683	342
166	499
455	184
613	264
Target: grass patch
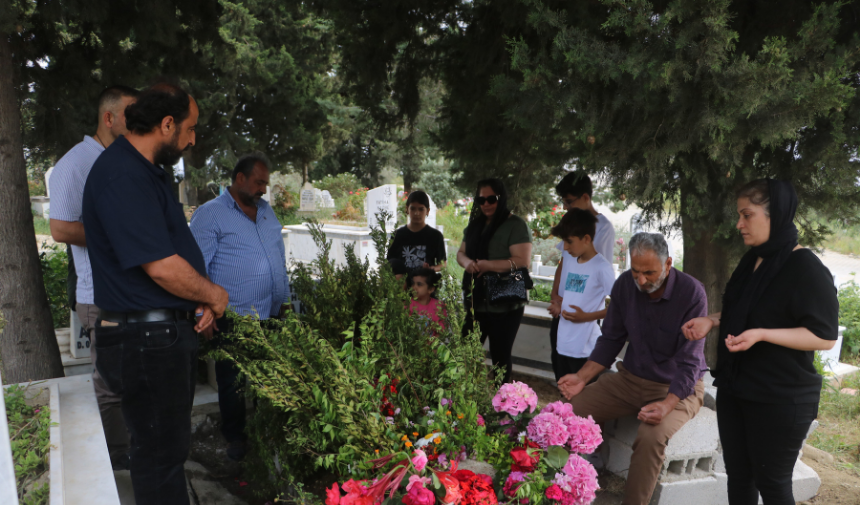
453	221
839	429
42	225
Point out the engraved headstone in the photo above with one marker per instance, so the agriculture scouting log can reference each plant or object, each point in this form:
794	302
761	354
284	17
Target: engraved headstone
383	198
308	198
327	200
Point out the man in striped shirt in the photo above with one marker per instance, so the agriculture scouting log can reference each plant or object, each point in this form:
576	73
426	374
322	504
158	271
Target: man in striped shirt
67	193
241	241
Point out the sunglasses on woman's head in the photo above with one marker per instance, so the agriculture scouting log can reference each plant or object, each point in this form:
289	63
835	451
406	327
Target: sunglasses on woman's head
488	199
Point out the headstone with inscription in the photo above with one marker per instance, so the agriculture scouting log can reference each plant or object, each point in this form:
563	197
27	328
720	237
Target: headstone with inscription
308	198
383	198
47	182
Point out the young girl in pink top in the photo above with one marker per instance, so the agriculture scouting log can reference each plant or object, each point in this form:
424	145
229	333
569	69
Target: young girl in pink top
423	284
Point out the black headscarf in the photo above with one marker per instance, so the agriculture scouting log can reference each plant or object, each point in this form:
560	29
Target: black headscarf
747	283
479	232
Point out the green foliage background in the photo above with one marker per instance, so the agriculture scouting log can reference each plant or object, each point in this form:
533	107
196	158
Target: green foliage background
55	270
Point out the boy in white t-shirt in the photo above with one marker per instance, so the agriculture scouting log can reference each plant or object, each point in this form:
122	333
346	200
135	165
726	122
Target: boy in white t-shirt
586	280
575	190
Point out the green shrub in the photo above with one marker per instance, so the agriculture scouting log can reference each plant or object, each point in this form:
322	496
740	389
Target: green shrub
545	248
849	317
541	293
321	378
339	185
55	272
41	225
453	221
37	188
30	438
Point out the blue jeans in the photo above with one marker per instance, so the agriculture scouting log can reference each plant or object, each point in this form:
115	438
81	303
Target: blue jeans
153	366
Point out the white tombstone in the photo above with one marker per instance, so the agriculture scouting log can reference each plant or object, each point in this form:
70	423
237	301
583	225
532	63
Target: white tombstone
48	182
383	198
308	198
327	200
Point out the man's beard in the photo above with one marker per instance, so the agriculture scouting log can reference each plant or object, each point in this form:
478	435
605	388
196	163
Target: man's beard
169	153
653	286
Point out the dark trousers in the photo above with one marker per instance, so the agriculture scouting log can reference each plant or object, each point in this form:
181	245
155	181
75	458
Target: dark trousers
761	442
561	364
501	328
231	400
153	366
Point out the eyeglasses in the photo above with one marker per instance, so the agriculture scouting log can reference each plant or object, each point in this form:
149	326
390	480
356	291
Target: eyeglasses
492	199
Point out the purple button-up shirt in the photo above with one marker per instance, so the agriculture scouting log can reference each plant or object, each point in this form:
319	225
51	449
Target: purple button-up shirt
658	350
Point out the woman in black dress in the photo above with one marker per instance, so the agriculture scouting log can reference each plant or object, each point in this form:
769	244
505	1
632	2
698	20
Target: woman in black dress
778	308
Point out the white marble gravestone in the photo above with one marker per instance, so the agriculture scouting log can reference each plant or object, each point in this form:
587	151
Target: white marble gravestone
327	200
383	198
308	198
48	182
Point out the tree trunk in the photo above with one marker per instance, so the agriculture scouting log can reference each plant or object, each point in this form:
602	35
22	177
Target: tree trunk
305	177
28	347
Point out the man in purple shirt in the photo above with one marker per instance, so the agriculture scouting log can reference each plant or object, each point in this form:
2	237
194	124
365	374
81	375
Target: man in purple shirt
660	379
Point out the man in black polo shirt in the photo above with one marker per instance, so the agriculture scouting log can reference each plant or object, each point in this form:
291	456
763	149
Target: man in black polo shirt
149	279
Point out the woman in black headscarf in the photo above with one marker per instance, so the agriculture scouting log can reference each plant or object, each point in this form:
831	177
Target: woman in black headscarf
778	308
494	241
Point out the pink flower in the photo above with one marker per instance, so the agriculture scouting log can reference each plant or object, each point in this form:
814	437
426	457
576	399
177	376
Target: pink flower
547	429
442	460
332	496
415	479
510	487
419	495
561	409
585	436
578	480
419	461
515	398
554	492
481	421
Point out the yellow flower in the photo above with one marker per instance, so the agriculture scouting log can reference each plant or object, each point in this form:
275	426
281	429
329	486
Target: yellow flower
428	437
408	444
404	437
414	433
437	440
460	416
376	451
447	412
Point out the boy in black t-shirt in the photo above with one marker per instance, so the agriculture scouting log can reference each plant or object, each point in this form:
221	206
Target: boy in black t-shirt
417	245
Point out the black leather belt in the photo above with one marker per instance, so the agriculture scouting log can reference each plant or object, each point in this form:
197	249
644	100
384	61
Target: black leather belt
146	316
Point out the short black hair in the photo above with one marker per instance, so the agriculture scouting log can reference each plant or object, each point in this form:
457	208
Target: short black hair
576	223
246	164
576	184
110	95
156	103
432	276
418	197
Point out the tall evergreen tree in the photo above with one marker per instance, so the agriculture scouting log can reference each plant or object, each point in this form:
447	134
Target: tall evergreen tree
677	102
55	58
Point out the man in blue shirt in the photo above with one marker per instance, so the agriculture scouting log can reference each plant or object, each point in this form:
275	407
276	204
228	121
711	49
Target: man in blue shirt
240	238
149	282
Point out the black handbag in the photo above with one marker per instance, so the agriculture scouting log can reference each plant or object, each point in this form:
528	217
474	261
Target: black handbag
508	287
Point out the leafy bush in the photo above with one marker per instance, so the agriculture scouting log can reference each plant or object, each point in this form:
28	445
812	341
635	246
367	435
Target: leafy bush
545	220
849	317
37	188
29	436
55	273
541	293
545	248
339	185
436	180
322	378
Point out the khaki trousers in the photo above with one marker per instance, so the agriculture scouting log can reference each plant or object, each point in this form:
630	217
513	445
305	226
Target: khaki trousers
623	394
110	404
